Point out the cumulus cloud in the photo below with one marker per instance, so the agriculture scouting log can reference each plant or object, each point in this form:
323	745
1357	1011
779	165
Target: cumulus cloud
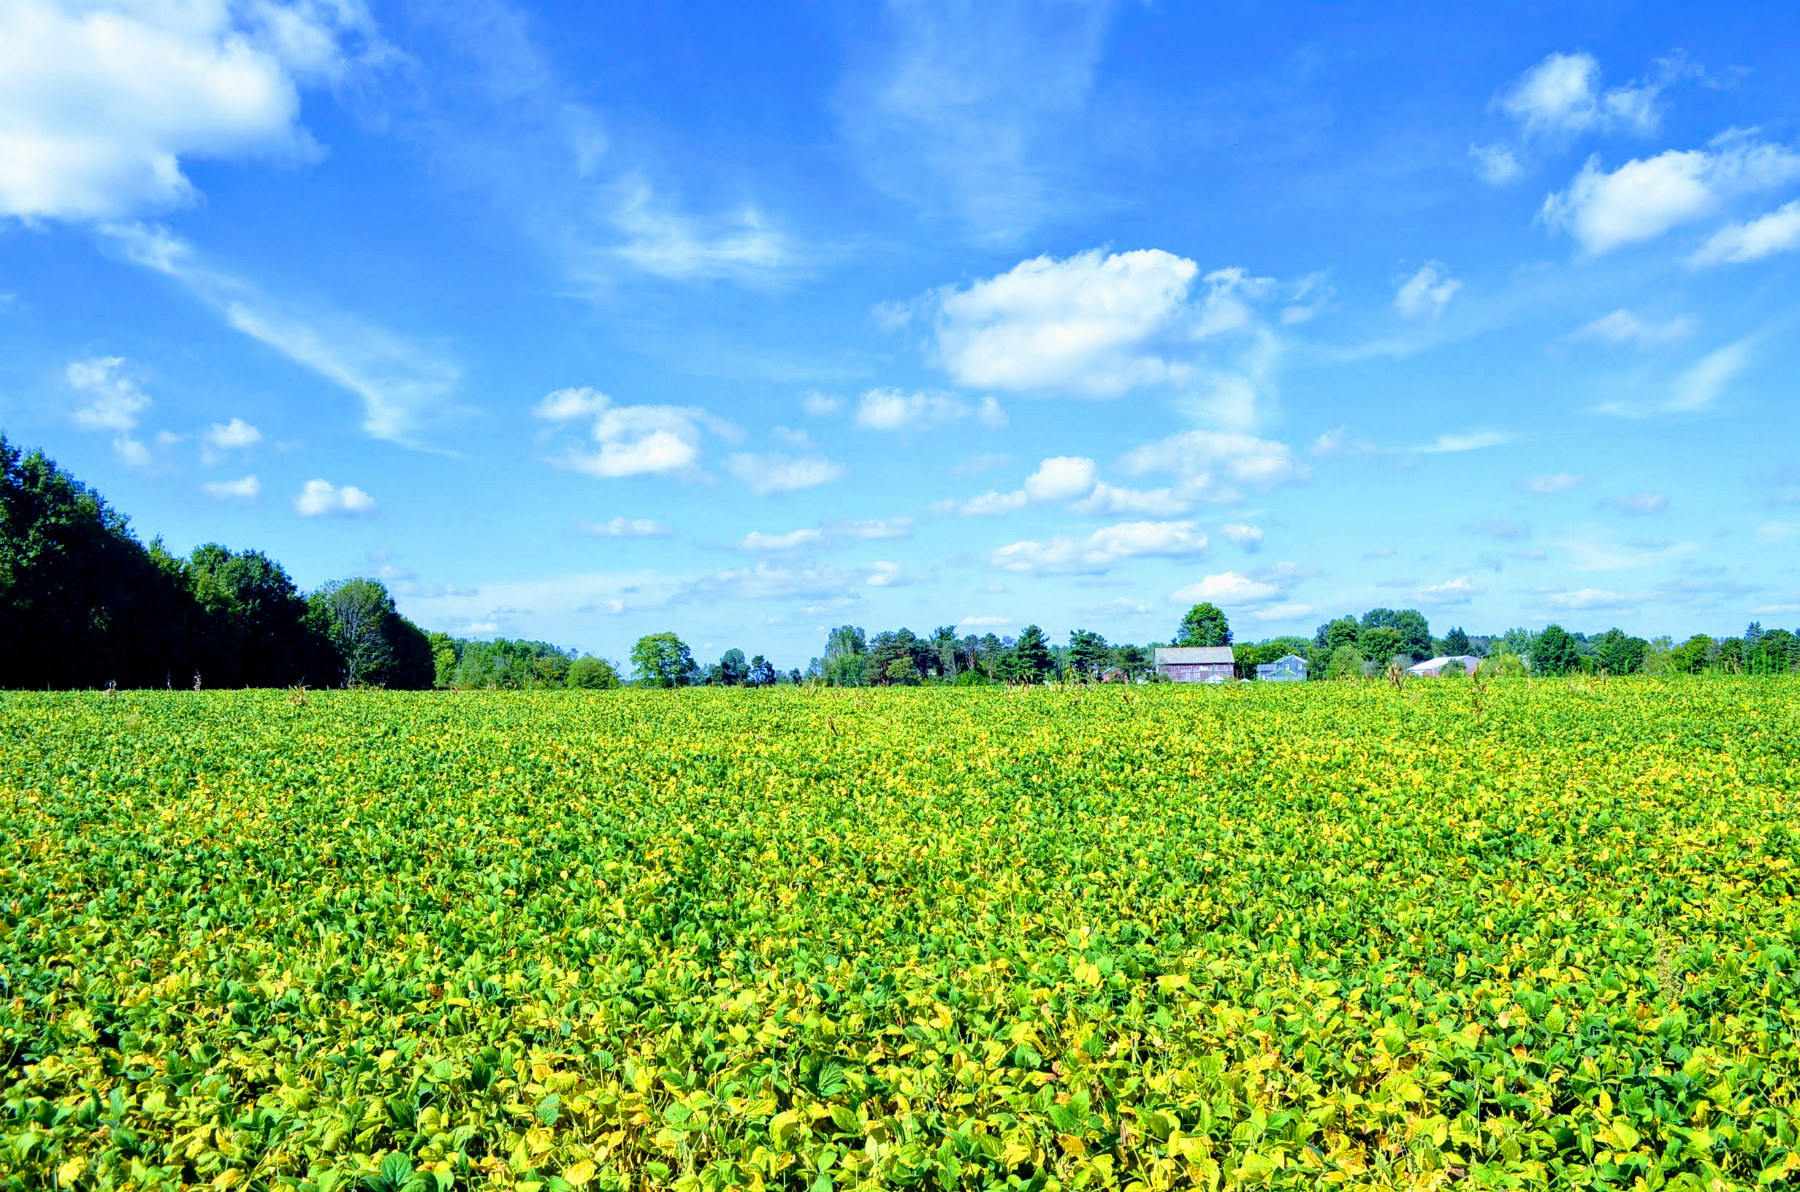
1646	197
1099	551
627	440
623	527
793	540
1228	589
1075	481
893	410
774	473
114	400
1082	325
1622	327
1547	483
1212	465
1562	94
1426	293
1448	594
100	103
1240	534
1100	325
820	405
244	489
1736	243
321	498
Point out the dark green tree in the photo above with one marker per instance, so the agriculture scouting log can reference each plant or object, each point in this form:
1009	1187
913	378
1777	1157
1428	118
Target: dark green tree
1031	654
1553	652
731	670
82	603
1341	632
1619	653
593	674
662	660
1457	642
1415	633
761	674
1204	625
1380	644
1088	653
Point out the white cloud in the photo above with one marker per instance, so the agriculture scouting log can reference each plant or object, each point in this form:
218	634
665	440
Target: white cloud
1227	588
1337	441
1474	440
321	498
222	438
1591	548
1500	526
964	109
872	529
1062	478
1646	197
1080	325
623	527
1426	293
1736	243
892	410
660	241
1240	534
774	581
1590	600
1210	464
403	386
1562	94
1103	548
101	102
1702	385
1451	592
885	574
244	489
1546	483
1495	163
1072	480
114	400
820	405
1775	531
1100	325
793	540
983	622
765	474
628	440
1640	504
1623	327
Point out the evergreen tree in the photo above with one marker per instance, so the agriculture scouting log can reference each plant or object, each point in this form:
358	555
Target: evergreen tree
1032	655
1553	652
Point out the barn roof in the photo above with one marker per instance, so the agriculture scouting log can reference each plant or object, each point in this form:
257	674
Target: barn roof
1193	654
1469	661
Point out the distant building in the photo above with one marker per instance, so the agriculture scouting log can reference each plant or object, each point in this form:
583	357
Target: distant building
1197	664
1433	668
1289	668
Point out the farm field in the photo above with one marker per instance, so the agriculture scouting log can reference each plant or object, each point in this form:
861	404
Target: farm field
1267	936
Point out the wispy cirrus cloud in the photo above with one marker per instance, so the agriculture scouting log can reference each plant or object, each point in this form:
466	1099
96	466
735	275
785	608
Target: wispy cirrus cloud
406	388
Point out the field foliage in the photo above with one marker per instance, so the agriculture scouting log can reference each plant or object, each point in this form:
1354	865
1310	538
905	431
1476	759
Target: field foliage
1267	936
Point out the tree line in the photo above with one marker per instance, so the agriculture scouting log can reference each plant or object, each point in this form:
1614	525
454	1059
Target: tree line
83	603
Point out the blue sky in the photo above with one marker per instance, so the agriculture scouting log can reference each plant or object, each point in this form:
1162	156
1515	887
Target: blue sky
589	321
